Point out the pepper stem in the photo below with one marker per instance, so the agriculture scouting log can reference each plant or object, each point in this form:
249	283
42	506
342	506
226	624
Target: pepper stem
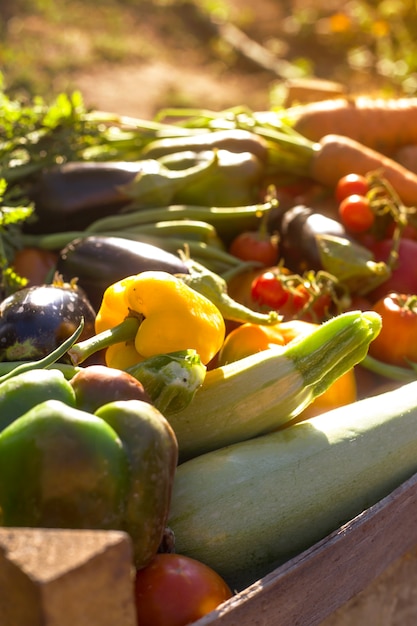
214	288
125	331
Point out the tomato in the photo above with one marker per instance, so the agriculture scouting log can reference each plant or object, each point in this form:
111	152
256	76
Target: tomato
255	245
175	590
356	214
403	278
316	309
351	184
272	290
397	342
268	290
34	264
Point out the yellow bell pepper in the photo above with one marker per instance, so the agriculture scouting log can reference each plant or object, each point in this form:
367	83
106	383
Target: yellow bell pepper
172	317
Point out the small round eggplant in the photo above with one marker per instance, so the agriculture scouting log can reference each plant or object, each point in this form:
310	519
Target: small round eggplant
36	320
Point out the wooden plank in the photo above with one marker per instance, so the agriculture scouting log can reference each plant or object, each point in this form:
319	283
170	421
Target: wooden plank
58	577
313	585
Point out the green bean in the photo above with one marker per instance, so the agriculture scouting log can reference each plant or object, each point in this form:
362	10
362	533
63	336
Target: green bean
217	216
47	360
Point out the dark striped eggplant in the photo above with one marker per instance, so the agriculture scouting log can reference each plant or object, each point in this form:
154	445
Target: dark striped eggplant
99	261
72	195
298	228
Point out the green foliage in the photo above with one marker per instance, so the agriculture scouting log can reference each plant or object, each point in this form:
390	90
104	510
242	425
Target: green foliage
11	218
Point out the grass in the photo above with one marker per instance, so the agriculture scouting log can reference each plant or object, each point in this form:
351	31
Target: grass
46	42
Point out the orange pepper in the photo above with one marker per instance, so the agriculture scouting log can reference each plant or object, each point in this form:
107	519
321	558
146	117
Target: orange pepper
248	339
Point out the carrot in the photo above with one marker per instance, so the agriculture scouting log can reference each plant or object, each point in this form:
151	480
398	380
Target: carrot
407	156
382	124
335	156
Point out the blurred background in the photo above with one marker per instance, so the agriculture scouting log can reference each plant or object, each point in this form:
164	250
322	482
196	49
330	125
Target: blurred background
136	57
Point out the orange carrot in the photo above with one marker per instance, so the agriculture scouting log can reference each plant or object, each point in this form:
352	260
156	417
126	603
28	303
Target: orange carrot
407	156
382	124
335	156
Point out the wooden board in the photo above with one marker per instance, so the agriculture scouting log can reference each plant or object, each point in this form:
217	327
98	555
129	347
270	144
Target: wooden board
319	581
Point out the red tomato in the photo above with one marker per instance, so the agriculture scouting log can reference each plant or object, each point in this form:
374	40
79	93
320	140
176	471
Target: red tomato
397	340
356	214
351	184
175	590
255	246
300	298
268	290
403	277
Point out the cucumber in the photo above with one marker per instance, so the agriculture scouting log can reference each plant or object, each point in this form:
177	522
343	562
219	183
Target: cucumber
249	507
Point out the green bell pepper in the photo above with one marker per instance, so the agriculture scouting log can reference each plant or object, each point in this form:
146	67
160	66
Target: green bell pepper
62	467
26	390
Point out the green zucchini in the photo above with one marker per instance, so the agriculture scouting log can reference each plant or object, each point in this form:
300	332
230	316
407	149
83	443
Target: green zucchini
247	508
264	391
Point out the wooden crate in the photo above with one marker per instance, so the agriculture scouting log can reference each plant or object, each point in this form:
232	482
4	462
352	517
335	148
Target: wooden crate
315	584
363	573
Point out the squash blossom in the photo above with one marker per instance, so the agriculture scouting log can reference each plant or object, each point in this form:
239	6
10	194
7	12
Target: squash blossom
172	315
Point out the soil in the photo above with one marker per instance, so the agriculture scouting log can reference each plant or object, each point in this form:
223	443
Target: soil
197	62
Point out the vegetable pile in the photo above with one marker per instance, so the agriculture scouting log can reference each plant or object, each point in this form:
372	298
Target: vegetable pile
199	315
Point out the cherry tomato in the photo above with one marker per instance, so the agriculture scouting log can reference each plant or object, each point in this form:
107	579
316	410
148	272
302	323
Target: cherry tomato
351	184
397	340
268	290
316	310
356	214
255	246
34	264
175	590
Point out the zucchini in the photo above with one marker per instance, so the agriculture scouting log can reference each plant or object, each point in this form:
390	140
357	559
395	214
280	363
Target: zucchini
263	391
247	508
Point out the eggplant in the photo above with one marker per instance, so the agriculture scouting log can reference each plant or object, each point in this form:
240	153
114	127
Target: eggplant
298	228
99	261
72	195
36	320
